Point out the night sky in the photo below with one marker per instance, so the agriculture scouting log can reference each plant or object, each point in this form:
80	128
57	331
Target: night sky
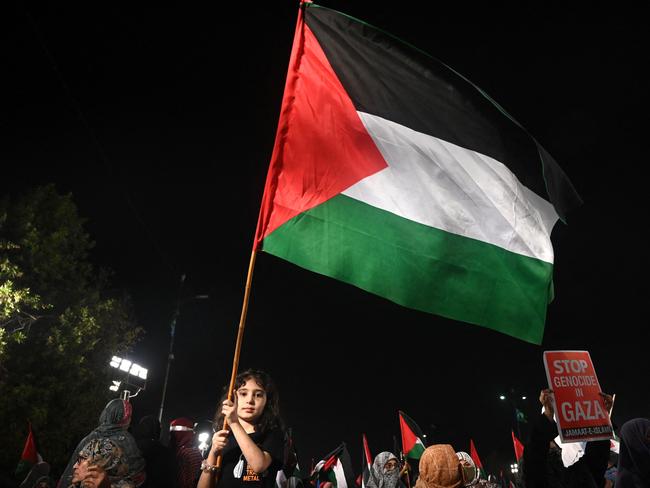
161	122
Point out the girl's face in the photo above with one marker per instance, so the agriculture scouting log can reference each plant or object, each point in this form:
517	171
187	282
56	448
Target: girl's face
251	400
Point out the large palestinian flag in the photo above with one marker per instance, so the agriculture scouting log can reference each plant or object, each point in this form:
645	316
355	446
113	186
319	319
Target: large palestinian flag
392	172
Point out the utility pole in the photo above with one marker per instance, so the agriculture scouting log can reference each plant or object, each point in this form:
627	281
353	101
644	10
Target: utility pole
170	356
512	397
172	332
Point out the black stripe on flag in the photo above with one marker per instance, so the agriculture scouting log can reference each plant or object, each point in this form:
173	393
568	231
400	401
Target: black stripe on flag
388	78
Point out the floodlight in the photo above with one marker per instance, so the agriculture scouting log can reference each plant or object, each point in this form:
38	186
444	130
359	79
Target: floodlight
502	397
115	386
203	441
128	374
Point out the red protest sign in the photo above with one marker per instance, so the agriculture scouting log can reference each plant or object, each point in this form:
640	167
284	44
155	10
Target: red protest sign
580	411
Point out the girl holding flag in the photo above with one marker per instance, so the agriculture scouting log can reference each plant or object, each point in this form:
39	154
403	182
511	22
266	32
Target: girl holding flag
252	445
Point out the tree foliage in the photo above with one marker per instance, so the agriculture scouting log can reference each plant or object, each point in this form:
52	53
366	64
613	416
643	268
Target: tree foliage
17	304
54	372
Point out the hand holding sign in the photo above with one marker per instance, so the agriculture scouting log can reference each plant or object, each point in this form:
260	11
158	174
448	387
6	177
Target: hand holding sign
609	402
546	399
575	398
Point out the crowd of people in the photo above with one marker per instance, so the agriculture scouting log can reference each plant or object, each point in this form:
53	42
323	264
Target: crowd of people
248	449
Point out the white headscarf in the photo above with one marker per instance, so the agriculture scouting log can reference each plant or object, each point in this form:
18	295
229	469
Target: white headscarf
379	476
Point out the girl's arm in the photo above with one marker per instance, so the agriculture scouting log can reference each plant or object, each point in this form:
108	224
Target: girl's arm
257	459
206	480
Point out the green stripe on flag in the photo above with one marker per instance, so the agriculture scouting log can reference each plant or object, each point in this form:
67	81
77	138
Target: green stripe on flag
418	266
416	451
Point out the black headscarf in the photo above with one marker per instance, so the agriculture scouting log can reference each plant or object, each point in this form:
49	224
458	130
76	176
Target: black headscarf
634	455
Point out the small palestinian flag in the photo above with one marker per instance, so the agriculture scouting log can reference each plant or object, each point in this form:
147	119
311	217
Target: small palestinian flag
289	476
474	455
366	463
29	456
335	467
412	437
519	447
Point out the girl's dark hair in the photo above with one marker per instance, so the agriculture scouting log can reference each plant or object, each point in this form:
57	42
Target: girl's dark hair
270	417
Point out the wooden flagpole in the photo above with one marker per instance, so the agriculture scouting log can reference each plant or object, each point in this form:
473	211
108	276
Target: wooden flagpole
240	337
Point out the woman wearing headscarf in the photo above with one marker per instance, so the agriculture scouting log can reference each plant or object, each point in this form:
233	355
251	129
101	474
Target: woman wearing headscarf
634	455
188	456
440	468
101	464
113	424
385	471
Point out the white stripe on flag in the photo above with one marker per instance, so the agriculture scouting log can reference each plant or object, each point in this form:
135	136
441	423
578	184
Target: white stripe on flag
340	475
441	185
280	479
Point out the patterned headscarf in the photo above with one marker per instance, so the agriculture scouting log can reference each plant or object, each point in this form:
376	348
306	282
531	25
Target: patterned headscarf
439	468
113	424
107	455
380	477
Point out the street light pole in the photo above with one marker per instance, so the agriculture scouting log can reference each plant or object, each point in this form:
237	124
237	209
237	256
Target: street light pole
172	333
170	356
512	398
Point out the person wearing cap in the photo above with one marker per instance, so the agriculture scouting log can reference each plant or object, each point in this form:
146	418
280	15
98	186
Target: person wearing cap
188	455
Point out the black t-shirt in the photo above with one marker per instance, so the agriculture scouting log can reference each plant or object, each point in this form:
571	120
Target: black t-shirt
271	442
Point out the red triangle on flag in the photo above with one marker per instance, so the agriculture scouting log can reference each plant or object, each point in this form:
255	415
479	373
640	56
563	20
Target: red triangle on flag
519	447
321	146
366	451
473	453
329	463
366	464
30	454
